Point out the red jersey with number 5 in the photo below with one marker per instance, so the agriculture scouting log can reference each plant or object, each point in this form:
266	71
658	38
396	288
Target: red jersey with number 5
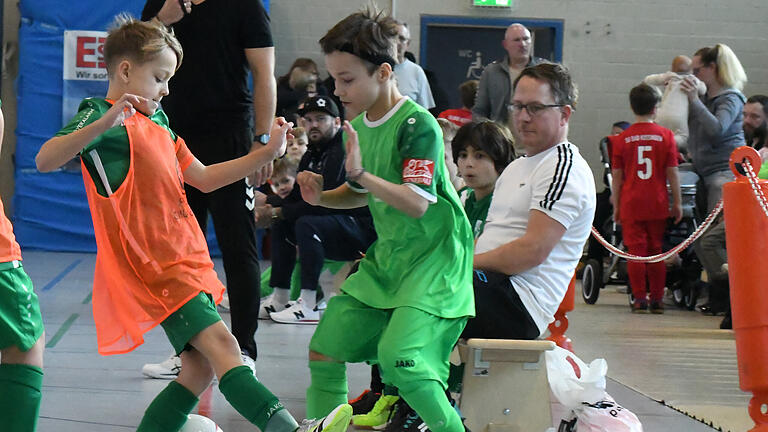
643	152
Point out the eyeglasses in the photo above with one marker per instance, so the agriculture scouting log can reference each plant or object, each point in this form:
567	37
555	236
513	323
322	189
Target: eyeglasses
532	108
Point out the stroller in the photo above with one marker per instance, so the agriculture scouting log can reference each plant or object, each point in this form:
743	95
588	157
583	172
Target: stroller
601	268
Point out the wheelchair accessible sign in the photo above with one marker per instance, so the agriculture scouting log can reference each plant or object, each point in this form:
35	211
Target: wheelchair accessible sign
84	72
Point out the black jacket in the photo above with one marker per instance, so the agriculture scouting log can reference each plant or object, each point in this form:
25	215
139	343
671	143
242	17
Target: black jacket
326	159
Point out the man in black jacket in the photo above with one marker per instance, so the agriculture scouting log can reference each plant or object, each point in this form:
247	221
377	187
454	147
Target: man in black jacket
317	232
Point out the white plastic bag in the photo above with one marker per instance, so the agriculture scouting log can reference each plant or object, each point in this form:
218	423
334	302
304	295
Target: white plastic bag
572	381
606	416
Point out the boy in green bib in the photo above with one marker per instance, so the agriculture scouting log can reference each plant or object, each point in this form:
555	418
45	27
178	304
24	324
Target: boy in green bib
412	295
21	336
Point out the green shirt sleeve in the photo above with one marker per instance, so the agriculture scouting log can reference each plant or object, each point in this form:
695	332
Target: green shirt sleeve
89	111
420	143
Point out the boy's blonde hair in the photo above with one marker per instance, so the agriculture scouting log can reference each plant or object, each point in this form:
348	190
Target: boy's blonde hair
368	34
284	166
298	131
139	41
730	73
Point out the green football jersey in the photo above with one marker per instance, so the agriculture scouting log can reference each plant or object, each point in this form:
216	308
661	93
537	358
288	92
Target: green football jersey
425	263
477	210
112	145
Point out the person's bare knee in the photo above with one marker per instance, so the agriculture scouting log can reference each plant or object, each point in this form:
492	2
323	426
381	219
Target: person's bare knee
218	345
196	372
32	357
316	356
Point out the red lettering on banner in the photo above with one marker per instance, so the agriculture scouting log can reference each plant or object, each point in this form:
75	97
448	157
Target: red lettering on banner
82	52
419	171
90	52
100	50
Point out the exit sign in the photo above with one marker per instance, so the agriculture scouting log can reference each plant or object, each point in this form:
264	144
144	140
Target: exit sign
493	3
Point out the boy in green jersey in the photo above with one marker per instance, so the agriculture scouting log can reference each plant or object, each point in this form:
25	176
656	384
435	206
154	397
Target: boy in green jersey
481	150
409	301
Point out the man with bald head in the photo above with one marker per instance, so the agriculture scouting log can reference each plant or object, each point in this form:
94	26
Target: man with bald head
411	79
495	89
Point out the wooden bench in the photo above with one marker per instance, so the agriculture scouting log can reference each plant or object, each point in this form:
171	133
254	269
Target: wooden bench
505	386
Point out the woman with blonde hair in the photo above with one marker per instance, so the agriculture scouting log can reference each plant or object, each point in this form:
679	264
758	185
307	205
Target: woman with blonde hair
715	126
715	119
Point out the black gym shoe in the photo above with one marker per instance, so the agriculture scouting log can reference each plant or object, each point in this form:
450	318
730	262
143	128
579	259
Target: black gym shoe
405	419
364	403
656	308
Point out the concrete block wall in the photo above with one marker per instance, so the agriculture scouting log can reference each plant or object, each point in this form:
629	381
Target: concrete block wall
609	45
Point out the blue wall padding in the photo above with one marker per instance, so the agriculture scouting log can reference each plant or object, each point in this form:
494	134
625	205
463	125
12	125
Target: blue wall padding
51	210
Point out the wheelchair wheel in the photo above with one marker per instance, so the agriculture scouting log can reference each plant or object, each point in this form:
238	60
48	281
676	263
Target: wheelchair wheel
591	280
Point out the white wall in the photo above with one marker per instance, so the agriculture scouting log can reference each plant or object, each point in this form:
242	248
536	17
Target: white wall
609	45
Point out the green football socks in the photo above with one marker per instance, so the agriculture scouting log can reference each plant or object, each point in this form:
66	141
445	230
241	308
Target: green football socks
328	387
20	397
169	410
254	401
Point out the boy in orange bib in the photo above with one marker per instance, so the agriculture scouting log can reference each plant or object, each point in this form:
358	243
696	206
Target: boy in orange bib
152	264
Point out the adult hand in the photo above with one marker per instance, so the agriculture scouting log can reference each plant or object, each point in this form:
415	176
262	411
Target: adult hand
688	86
278	140
311	186
261	175
173	11
278	136
124	108
354	162
263	216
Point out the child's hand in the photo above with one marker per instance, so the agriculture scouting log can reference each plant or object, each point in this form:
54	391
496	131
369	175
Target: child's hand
311	185
354	161
676	213
124	108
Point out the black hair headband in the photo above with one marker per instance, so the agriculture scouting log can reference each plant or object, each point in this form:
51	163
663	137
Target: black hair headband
376	59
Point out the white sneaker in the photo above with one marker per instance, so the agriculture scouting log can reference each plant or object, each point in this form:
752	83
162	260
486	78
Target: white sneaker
248	361
336	421
168	369
322	306
298	313
269	305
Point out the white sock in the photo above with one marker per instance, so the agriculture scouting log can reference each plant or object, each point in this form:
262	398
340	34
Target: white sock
309	298
282	295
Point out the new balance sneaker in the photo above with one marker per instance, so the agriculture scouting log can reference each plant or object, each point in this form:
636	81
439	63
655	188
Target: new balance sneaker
297	313
322	305
248	361
336	421
378	416
365	402
168	369
270	305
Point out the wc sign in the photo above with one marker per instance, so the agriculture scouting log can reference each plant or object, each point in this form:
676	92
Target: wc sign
84	72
